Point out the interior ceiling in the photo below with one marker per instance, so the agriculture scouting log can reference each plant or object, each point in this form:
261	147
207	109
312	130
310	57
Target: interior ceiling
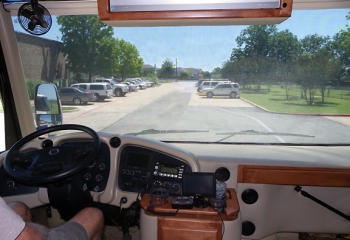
90	6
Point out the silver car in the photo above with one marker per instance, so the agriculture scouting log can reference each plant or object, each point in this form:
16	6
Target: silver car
73	95
132	87
224	89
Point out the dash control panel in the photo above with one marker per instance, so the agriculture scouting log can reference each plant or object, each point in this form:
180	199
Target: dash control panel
166	171
141	169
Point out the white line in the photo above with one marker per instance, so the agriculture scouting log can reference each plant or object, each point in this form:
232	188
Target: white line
258	121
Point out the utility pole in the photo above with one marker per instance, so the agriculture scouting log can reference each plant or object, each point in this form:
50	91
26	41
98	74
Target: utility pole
176	67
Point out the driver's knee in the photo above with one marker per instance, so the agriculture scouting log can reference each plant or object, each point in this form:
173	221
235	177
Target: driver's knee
22	210
91	219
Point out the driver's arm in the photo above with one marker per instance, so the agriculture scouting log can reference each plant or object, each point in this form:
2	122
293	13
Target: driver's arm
11	223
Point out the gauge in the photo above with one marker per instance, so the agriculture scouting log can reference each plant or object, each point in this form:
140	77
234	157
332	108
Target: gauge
167	185
92	165
98	178
101	166
87	176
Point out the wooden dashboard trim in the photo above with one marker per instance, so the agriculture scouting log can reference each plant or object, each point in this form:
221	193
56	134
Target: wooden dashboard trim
284	11
326	177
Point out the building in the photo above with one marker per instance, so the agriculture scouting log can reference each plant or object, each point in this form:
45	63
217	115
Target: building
42	59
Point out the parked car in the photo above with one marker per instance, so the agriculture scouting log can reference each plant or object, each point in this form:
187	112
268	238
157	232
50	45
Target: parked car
149	83
74	95
119	89
141	84
209	84
132	86
100	91
222	89
199	83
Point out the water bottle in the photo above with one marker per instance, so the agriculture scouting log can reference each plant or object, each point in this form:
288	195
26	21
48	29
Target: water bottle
220	190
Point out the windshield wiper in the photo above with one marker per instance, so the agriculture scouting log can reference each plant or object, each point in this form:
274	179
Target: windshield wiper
253	132
155	131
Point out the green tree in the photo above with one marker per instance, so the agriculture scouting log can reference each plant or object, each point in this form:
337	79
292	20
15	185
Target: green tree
184	76
284	46
127	60
341	47
313	44
255	40
216	72
319	65
260	48
167	70
84	39
206	75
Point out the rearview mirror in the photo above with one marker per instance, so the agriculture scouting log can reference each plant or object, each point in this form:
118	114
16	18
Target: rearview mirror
47	104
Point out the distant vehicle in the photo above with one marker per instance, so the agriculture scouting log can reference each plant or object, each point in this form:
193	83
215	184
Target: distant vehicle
74	95
222	89
42	104
149	83
119	89
132	86
100	91
139	82
210	84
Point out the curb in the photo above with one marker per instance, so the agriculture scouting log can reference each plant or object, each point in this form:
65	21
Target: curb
296	114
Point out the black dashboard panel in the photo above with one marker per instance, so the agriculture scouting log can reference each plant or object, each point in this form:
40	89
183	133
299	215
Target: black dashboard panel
95	175
10	187
140	169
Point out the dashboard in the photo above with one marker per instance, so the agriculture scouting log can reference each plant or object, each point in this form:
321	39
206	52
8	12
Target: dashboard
128	166
141	168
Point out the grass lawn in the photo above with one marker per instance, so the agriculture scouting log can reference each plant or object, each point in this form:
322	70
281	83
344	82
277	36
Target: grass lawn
276	101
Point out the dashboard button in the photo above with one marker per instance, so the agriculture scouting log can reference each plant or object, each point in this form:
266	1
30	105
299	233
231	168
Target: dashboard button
101	166
87	176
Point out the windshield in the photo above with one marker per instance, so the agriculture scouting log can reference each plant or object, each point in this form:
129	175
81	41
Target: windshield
288	83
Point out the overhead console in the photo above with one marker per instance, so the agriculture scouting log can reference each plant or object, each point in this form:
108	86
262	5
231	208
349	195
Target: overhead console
197	12
141	168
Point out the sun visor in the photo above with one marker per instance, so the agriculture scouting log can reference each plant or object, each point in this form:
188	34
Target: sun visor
132	13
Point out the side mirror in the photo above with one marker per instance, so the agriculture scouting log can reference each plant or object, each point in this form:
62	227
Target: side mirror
47	104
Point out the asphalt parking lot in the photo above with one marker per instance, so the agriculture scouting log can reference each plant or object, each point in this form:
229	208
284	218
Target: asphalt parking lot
100	115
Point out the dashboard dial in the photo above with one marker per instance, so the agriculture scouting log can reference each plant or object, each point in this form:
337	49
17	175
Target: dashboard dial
167	185
157	183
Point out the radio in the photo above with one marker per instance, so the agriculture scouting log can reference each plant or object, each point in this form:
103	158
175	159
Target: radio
135	172
165	171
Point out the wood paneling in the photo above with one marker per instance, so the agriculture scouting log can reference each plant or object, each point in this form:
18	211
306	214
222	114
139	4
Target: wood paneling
189	228
294	176
284	11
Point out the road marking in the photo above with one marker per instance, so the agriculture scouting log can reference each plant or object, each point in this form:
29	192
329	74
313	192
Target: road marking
258	121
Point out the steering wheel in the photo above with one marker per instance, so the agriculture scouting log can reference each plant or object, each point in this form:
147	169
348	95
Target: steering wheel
52	163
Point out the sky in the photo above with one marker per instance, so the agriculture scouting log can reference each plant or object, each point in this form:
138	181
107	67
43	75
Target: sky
208	47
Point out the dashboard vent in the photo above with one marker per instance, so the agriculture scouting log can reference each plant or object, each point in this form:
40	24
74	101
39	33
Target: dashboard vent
115	142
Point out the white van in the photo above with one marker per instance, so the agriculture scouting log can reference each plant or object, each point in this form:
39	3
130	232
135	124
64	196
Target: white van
101	91
210	84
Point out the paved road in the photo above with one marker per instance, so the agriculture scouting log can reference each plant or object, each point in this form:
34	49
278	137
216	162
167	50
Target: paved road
176	106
